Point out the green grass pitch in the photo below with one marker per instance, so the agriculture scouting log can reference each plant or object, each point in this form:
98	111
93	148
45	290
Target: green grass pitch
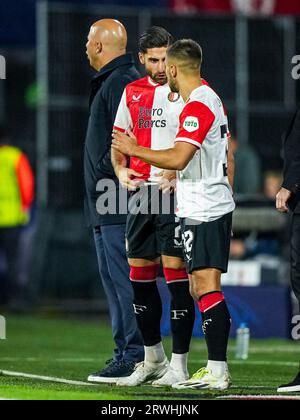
72	349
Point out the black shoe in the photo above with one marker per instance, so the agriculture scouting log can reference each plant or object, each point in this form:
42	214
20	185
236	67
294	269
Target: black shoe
291	387
112	372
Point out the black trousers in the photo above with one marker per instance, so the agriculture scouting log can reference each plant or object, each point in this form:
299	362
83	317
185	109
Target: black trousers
295	256
9	245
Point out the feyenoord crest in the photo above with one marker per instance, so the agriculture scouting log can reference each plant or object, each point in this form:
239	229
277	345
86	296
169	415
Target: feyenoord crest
173	97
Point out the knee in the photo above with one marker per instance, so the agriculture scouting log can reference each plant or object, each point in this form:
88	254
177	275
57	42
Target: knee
173	263
198	288
205	281
196	292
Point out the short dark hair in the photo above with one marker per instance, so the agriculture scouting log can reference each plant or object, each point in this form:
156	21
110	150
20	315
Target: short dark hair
187	51
155	37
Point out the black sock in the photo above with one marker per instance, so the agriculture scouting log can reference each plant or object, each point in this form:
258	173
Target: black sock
148	311
216	327
182	316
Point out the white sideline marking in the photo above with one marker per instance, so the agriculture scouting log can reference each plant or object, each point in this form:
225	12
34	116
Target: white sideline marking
258	397
99	360
252	387
263	363
257	349
58	360
44	378
18	359
254	362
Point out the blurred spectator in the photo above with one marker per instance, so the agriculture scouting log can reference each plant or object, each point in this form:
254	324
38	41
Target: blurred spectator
247	7
254	244
247	168
272	184
268	244
182	6
16	197
238	250
266	7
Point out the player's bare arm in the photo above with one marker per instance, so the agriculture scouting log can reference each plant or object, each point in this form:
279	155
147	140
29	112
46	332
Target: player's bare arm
126	176
176	158
119	161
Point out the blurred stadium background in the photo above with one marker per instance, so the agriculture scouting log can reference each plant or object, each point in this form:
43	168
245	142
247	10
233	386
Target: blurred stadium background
248	49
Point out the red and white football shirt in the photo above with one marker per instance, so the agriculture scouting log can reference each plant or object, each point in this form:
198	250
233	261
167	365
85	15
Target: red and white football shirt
152	112
203	190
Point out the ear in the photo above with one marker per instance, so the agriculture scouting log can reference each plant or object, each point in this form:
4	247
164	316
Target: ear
173	70
142	58
98	47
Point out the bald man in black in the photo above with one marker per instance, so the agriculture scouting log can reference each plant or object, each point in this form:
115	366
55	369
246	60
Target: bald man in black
106	52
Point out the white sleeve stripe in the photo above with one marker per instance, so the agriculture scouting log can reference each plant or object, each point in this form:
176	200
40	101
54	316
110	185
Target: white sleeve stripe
123	118
186	140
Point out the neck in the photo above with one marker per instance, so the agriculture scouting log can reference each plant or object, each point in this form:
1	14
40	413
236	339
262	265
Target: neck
109	58
188	85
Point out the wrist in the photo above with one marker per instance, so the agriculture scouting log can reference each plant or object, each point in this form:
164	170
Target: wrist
118	170
286	190
289	187
134	151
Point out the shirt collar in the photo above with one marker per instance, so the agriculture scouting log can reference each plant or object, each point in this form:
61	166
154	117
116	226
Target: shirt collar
123	60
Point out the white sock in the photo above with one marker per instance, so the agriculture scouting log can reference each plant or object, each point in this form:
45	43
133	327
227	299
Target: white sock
217	368
155	354
179	362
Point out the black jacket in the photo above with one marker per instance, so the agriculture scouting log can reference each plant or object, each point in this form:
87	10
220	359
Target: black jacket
106	92
291	171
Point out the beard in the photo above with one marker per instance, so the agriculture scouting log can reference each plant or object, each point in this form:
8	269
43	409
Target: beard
173	85
160	78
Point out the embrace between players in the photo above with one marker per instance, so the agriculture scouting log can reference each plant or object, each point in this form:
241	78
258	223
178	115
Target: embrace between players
171	144
189	134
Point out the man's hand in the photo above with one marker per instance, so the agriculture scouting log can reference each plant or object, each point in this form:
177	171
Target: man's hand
126	176
167	181
281	200
123	143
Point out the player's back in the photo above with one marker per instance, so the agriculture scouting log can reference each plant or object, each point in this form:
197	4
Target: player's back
204	192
